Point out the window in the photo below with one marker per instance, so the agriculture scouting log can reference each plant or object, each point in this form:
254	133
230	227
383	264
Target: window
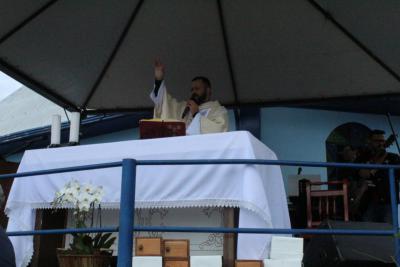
342	144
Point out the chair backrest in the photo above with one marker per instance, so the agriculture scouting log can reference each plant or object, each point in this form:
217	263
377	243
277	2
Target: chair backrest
292	188
322	204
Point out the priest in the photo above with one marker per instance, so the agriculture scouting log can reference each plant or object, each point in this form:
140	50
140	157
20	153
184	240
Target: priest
200	114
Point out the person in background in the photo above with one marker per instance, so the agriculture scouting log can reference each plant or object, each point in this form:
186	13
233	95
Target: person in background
348	154
377	194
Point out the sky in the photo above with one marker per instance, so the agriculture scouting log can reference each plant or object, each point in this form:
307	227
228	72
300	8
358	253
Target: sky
7	85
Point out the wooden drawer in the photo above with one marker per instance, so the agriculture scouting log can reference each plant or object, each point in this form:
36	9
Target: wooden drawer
148	246
176	249
176	263
248	263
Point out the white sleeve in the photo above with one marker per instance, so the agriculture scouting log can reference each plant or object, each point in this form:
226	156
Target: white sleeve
194	127
160	95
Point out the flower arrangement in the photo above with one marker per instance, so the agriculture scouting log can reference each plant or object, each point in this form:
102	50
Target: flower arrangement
84	198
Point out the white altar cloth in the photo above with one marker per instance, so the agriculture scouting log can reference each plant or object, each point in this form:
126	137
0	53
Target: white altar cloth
257	190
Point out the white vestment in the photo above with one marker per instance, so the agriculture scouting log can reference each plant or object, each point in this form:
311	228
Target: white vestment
211	118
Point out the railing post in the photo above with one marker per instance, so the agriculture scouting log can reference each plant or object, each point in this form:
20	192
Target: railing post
395	215
126	213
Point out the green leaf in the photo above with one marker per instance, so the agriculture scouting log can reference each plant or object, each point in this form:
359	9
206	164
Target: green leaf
79	246
109	243
82	244
87	240
104	239
96	240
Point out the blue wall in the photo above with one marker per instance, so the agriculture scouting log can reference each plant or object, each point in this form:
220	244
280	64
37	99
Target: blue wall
300	134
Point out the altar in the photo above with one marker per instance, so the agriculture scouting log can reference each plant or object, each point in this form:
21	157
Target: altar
258	191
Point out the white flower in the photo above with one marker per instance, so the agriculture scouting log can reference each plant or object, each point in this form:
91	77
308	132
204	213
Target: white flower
84	206
87	188
80	196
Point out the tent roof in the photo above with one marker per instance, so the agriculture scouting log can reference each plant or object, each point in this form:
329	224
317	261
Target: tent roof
98	55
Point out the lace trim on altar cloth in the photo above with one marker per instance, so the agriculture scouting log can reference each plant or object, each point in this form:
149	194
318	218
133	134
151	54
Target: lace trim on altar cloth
203	203
28	257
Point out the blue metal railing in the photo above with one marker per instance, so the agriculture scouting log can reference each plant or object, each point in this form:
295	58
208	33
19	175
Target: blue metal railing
127	204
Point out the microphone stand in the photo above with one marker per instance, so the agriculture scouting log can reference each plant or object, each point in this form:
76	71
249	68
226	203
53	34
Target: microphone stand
393	131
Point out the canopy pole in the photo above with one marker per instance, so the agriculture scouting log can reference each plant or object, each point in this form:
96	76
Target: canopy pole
229	60
27	20
361	45
228	52
236	112
113	53
389	117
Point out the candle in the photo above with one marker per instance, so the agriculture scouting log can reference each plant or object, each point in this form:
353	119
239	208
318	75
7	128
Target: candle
74	127
55	130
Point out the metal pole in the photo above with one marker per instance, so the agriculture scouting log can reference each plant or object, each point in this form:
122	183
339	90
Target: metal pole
127	212
187	229
395	218
393	131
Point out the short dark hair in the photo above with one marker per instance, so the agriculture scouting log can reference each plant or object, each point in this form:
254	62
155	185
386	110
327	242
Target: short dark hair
205	80
376	132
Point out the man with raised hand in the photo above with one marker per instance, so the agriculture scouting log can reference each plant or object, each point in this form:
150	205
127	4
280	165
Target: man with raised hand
200	114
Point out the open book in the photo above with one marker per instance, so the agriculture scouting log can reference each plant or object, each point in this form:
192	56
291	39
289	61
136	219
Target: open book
156	128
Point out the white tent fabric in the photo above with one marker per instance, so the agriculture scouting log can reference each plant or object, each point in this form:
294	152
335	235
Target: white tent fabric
98	55
25	110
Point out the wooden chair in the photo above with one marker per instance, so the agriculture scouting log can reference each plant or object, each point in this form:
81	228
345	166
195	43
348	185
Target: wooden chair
326	200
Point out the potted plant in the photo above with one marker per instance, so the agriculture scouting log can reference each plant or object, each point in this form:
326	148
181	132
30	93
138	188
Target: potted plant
85	250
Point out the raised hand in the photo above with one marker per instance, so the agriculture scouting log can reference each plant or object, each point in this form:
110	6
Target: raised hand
159	70
194	108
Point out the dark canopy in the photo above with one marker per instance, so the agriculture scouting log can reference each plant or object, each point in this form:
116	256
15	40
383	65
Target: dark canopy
98	54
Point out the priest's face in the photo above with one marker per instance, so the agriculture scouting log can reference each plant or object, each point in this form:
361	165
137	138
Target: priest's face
200	92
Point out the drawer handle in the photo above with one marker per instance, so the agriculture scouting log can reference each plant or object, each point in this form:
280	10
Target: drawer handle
140	247
167	249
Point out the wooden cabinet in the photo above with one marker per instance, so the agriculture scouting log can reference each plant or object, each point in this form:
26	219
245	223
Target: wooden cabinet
148	246
248	263
176	249
176	263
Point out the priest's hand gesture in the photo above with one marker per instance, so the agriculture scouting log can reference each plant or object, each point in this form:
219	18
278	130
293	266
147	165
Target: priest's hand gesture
159	70
194	108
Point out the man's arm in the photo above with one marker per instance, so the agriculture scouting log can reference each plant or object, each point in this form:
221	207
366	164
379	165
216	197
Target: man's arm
217	124
157	84
216	121
159	72
159	90
166	107
157	95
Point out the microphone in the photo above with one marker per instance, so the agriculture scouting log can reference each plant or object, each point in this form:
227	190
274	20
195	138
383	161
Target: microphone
187	109
299	170
185	112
